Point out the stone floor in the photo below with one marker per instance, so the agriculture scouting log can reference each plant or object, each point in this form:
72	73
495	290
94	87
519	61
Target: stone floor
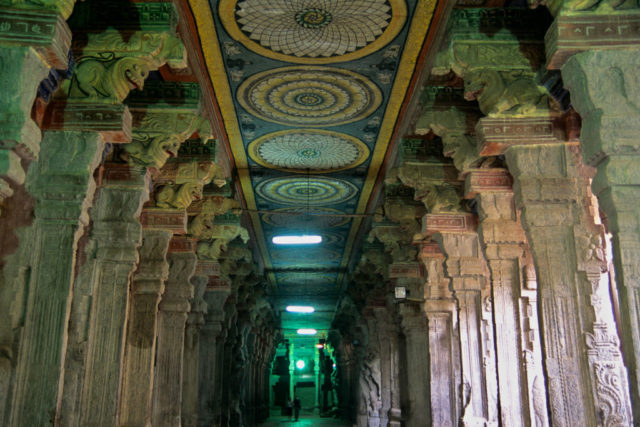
305	420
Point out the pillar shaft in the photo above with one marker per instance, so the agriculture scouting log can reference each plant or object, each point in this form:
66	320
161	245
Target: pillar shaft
414	328
63	186
104	280
172	316
506	251
551	187
148	285
601	85
195	320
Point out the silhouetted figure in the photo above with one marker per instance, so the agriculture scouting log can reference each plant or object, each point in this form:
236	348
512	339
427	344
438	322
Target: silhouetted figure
296	407
289	409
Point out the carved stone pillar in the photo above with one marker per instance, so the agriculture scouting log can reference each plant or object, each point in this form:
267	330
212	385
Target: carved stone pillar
99	308
195	320
506	249
551	187
444	349
414	328
172	316
147	286
602	86
210	335
63	186
32	41
467	269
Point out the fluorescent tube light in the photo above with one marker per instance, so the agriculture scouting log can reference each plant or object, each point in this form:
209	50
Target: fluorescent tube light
297	240
300	309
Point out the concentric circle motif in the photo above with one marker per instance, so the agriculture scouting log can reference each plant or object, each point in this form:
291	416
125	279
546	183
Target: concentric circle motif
309	96
312	31
308	149
306	218
295	255
309	191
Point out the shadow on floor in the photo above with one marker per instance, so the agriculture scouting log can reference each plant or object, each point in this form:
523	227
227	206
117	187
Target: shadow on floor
305	420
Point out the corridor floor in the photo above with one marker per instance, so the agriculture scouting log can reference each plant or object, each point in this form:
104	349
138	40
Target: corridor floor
306	420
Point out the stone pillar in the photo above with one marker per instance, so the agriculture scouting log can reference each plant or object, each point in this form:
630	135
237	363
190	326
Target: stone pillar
147	286
210	337
602	86
414	328
507	253
444	349
172	316
467	269
195	320
62	183
586	382
99	308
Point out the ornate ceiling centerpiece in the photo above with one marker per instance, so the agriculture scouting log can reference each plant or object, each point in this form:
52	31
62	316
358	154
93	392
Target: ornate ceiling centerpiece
312	31
303	150
314	191
309	96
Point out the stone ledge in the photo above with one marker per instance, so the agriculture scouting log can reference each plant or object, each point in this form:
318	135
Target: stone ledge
496	135
111	121
487	181
449	222
207	268
172	220
406	269
47	32
569	35
182	244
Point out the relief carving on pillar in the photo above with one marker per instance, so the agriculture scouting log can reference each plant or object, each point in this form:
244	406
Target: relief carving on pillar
214	240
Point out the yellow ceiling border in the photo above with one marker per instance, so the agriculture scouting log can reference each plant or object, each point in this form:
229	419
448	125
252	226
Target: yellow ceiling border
213	58
420	26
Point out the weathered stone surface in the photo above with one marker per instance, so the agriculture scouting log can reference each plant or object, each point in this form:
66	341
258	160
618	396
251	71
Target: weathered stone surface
603	87
560	234
140	349
572	34
62	183
104	280
506	251
172	317
113	122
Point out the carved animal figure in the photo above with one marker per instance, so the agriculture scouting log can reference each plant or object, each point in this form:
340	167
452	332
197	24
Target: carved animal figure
108	79
169	197
216	205
392	238
221	235
498	95
462	149
442	199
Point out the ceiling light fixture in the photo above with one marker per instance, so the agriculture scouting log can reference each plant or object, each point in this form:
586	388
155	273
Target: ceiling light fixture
300	364
297	240
307	332
300	309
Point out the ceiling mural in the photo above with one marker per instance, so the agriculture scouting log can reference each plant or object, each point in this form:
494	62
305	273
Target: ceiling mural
309	93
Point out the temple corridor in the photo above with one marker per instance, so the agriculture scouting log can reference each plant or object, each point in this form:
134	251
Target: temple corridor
401	213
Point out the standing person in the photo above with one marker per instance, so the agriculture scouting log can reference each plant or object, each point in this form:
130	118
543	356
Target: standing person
296	407
289	408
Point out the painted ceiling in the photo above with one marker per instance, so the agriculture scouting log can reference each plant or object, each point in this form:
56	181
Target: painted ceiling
309	92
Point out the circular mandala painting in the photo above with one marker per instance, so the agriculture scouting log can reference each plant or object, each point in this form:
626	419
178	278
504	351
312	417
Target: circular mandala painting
313	31
309	96
302	150
306	218
311	191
